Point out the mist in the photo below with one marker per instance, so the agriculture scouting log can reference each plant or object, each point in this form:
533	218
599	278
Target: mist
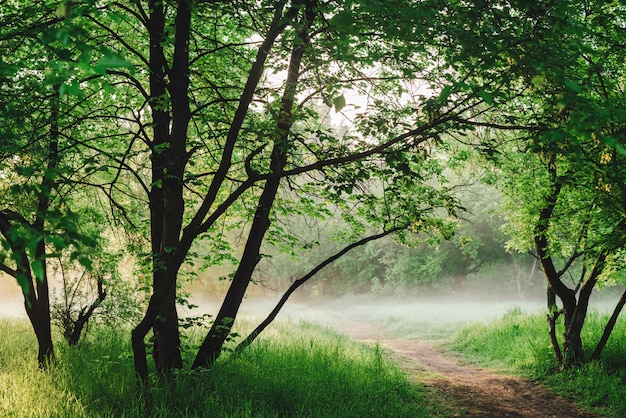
426	317
432	314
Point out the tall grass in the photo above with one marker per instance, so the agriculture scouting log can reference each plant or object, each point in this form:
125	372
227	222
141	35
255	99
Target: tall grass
294	370
519	343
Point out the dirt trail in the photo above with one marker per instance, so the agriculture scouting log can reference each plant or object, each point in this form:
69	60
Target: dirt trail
478	393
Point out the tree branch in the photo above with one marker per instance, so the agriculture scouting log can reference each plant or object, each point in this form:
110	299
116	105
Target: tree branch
299	282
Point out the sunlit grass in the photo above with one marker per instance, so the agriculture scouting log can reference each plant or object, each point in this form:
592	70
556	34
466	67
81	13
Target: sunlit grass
292	370
518	342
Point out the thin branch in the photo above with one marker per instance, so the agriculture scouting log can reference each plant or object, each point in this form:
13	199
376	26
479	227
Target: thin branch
299	282
569	262
8	270
120	39
499	126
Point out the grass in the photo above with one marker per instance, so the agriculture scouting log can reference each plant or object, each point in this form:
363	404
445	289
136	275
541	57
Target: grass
299	369
518	343
293	370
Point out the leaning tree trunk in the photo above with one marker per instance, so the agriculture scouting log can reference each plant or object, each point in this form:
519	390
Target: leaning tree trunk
211	347
299	282
608	329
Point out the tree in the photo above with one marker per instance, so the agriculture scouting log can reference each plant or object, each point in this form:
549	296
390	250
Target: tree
572	225
224	141
221	115
556	134
566	195
39	218
30	167
24	237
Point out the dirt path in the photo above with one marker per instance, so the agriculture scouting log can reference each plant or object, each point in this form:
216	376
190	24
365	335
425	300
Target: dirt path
478	393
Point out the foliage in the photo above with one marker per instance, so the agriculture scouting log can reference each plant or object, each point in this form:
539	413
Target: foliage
564	190
97	295
46	69
230	144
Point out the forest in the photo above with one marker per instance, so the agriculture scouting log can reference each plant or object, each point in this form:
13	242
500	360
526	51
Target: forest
151	150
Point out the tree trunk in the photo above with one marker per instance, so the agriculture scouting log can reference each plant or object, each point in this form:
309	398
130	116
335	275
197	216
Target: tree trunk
553	340
166	332
34	289
40	321
555	285
38	302
161	132
169	159
73	329
573	346
211	347
551	297
608	329
162	301
167	355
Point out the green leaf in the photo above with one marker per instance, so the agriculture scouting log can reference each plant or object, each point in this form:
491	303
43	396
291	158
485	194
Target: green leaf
38	269
23	282
113	60
85	262
58	242
573	86
445	93
343	22
33	241
486	96
72	89
27	171
339	103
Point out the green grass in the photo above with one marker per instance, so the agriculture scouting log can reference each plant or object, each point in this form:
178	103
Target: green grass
294	370
518	343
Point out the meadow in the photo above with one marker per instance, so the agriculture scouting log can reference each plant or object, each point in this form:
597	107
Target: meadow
299	368
295	369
